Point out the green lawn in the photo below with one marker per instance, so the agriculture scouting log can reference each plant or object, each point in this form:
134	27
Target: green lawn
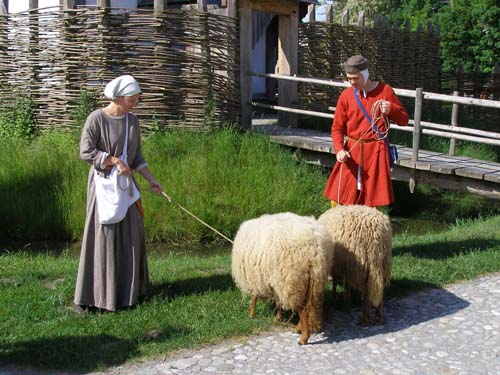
193	300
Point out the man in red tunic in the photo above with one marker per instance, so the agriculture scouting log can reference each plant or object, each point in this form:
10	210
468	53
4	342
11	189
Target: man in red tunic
362	173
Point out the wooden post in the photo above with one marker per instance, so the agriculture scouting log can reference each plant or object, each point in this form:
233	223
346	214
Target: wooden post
206	55
4	27
407	25
66	4
361	18
288	48
385	22
160	6
454	122
419	98
311	10
202	5
231	8
104	3
33	41
246	63
329	14
345	17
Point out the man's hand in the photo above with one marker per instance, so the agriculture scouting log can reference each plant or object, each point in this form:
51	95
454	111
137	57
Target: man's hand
385	107
342	156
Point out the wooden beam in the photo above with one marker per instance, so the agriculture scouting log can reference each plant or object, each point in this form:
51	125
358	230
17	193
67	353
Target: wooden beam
288	55
67	4
454	122
345	17
311	10
361	18
159	6
419	99
232	8
246	63
282	8
329	14
202	5
104	3
33	4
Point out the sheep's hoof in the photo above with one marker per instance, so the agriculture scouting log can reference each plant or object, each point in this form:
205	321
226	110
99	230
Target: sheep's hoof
379	321
364	322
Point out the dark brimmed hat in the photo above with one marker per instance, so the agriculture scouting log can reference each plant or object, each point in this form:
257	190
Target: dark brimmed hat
355	64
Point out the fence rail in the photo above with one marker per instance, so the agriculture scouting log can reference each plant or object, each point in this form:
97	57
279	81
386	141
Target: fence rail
452	131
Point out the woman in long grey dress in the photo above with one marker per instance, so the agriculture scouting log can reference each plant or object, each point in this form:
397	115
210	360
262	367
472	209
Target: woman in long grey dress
113	270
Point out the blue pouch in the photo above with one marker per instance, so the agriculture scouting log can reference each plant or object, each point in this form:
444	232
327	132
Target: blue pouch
393	154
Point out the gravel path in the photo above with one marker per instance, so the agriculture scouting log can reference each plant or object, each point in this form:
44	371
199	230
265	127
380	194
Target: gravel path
455	330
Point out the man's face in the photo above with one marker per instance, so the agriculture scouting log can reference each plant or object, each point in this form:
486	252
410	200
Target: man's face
356	80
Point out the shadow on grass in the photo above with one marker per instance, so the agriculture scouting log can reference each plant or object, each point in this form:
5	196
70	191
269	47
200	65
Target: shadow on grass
399	313
443	250
192	286
71	352
77	353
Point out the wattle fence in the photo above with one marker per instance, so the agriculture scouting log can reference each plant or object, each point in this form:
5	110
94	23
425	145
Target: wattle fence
187	63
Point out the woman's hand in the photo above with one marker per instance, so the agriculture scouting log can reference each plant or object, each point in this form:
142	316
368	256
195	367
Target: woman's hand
122	168
155	187
342	156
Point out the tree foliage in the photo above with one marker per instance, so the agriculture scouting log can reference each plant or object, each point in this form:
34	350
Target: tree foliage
469	29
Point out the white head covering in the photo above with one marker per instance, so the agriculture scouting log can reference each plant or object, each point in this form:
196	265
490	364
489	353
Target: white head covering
122	86
365	74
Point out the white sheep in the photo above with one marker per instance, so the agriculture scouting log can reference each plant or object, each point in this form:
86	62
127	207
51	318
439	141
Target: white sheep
362	239
286	258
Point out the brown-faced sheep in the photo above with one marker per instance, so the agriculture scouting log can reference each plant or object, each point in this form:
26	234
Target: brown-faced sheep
362	238
286	258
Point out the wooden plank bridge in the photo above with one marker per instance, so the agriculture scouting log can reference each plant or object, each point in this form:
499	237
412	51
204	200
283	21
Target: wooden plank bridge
432	168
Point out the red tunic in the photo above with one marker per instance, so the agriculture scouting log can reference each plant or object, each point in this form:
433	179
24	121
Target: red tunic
370	155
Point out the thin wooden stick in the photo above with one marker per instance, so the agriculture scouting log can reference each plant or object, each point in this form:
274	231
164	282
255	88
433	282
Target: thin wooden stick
197	218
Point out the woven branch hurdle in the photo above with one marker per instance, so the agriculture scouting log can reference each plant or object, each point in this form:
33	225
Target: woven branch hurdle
185	61
401	58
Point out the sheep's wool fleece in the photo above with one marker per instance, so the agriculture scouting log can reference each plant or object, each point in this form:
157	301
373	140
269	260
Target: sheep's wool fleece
362	238
275	255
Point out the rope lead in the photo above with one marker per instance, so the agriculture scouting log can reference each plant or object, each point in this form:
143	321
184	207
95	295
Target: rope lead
197	218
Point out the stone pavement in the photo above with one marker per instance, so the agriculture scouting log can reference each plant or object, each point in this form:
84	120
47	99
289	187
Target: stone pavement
455	330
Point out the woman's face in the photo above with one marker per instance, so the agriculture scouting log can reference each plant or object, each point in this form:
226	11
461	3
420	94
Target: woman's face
129	102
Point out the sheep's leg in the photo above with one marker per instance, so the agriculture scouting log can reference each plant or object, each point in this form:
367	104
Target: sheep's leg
378	314
277	317
253	303
347	293
334	289
304	317
365	319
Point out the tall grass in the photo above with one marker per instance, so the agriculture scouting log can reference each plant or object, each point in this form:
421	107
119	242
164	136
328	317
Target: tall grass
223	177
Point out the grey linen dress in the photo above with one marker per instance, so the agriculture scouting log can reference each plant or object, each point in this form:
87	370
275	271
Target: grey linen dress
113	269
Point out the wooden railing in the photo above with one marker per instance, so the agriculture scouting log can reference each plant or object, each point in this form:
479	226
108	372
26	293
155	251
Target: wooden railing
451	131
